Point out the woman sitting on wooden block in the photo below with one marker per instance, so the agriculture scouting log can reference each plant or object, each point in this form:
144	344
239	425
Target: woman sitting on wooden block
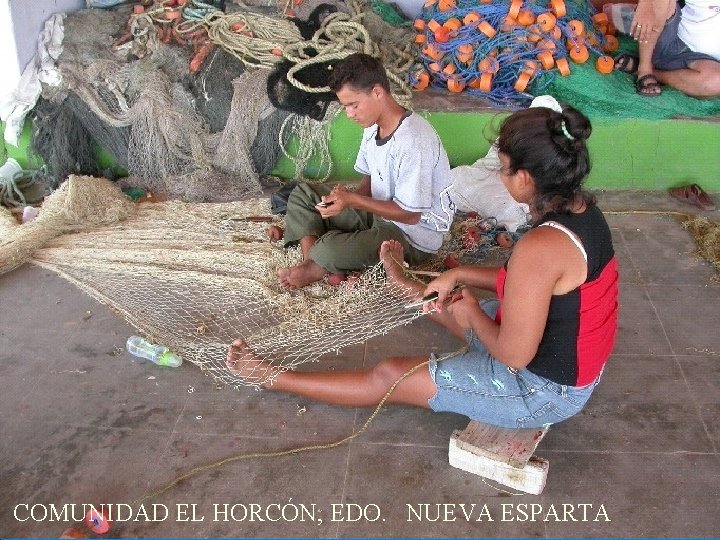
536	353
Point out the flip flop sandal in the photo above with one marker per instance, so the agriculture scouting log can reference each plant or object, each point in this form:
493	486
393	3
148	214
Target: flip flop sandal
626	62
646	83
693	194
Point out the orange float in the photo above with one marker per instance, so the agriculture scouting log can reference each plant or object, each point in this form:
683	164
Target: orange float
485	82
563	66
556	33
419	25
456	85
420	38
546	59
508	24
558	8
423	80
578	51
534	33
442	35
450	69
446	5
522	81
604	64
431	52
611	43
530	66
580	54
576	27
433	25
452	24
464	53
546	21
489	65
526	17
546	44
600	19
471	18
434	66
474	83
200	56
487	29
514	10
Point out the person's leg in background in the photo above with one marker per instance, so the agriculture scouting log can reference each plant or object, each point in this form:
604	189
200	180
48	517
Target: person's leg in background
701	79
647	26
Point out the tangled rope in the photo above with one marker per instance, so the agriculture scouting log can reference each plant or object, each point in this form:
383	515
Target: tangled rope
312	142
498	50
15	186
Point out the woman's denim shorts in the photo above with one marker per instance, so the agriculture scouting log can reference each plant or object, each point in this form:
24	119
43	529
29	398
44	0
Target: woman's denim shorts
475	384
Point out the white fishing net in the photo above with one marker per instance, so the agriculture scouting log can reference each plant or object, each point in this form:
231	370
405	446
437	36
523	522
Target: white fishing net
196	276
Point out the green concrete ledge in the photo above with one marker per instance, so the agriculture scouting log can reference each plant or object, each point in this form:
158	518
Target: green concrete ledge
626	153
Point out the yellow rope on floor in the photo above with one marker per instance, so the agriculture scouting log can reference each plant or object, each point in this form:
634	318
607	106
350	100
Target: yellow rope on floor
290	451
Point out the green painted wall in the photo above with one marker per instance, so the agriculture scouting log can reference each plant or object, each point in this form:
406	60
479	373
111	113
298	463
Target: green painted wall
626	153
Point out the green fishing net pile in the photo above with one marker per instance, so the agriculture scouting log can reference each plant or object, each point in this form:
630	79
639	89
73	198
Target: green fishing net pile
614	95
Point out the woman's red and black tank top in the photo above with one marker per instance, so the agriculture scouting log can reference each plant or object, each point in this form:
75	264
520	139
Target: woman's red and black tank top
581	326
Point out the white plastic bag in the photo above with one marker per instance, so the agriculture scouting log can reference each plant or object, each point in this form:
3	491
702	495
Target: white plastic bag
478	188
41	69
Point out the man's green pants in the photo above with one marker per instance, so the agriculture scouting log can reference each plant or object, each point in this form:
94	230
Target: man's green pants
347	242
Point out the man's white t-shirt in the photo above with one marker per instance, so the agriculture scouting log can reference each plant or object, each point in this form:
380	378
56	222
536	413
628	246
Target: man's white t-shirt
700	26
411	168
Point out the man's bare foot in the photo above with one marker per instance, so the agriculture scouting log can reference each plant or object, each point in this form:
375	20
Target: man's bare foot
297	277
275	233
392	257
335	278
243	363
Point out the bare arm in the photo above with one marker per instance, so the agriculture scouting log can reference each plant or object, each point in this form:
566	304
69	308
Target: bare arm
364	188
474	276
644	21
543	263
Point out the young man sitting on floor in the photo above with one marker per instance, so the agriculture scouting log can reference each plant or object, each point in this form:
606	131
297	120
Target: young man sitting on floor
677	46
403	194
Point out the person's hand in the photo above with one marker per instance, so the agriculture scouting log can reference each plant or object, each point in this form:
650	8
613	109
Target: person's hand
333	204
643	22
464	308
442	285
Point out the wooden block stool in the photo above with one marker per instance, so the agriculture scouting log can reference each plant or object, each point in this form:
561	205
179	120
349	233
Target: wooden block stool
503	455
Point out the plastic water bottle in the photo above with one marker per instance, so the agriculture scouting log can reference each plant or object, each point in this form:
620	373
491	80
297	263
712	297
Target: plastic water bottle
158	354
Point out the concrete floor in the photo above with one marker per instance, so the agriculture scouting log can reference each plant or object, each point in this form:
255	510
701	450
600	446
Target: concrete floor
84	422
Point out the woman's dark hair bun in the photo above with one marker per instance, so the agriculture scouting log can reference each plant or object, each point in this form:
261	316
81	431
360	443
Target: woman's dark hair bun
552	147
570	128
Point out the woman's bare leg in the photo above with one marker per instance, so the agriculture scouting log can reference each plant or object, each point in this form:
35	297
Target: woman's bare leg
363	388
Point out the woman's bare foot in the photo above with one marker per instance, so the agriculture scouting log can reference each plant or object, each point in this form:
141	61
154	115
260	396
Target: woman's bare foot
275	233
243	363
297	277
392	257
